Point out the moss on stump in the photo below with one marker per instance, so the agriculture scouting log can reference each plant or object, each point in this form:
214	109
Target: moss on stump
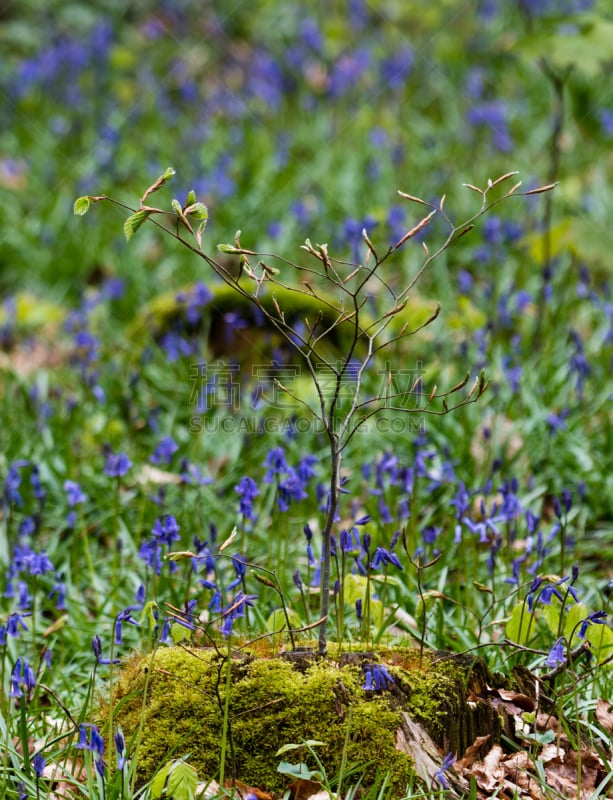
180	693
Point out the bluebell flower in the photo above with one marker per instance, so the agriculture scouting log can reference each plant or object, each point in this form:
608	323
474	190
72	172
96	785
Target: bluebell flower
38	763
192	474
306	468
120	749
377	678
13	481
164	451
22	677
38	563
97	648
37	487
74	493
117	464
448	761
124	616
396	68
247	489
166	530
595	618
493	114
27	526
151	553
358	609
90	739
350	540
276	464
237	608
556	656
567	499
556	422
24	598
290	488
15	623
383	557
240	568
59	593
175	346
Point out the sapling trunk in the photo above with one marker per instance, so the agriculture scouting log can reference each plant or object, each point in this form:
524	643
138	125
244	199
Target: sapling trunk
324	583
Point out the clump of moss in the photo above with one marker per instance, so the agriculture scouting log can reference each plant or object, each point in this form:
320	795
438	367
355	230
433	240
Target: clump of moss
171	704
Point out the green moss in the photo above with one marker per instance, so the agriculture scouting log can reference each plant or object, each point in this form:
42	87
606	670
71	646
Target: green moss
164	311
274	702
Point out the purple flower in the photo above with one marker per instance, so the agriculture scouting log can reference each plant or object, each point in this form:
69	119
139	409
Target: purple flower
22	676
240	568
37	563
164	451
383	556
237	608
120	748
39	763
166	529
556	422
377	678
595	618
276	463
567	499
27	526
192	474
90	739
247	489
117	464
15	623
439	775
306	469
97	648
74	494
13	481
556	657
290	488
124	616
493	114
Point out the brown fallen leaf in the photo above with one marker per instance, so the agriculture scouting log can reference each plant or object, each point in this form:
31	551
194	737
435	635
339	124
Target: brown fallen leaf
306	790
604	715
489	772
241	790
473	753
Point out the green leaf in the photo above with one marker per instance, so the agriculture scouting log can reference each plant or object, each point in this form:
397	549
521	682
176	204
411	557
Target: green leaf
229	249
182	781
81	205
159	782
299	771
191	198
585	46
133	223
601	639
276	622
164	178
197	211
179	633
289	747
147	615
177	207
519	622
